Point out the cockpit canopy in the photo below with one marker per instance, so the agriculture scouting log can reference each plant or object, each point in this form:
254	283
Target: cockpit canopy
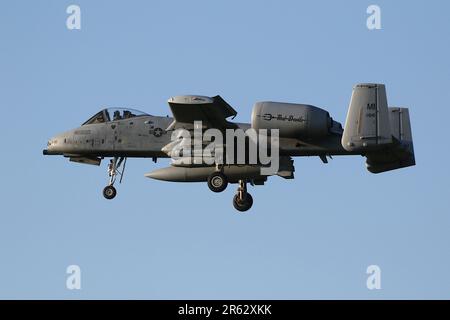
114	114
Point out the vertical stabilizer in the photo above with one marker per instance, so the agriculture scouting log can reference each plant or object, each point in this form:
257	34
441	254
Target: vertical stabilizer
367	127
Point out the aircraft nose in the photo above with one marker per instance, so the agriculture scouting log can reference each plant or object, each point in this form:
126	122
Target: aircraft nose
52	146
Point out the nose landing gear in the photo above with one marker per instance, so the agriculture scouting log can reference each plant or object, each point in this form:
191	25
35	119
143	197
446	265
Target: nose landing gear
243	200
109	192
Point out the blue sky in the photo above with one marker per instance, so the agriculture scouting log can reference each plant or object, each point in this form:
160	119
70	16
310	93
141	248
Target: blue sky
312	237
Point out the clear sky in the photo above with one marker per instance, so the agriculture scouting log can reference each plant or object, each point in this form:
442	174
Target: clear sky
312	237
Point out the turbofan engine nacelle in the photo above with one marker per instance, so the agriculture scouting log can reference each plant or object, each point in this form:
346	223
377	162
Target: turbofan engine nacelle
293	120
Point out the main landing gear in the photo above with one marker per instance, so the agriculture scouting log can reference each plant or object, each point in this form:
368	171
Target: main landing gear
218	182
243	200
109	192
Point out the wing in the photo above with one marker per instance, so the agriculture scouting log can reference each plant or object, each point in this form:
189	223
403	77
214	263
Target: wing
212	111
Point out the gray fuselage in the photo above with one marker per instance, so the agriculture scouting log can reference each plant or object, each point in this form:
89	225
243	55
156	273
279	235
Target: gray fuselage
141	136
145	135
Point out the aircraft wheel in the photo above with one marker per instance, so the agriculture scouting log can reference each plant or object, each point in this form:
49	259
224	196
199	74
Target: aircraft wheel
109	192
243	205
217	182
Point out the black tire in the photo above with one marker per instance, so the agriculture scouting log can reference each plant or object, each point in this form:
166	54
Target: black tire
244	205
109	192
217	182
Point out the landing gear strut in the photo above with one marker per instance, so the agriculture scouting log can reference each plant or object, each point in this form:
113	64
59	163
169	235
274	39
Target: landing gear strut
243	200
109	192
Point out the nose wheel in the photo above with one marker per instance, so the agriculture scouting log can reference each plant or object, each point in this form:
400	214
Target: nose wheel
109	192
243	200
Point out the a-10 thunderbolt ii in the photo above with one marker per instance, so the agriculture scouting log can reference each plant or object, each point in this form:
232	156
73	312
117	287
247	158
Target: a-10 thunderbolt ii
380	133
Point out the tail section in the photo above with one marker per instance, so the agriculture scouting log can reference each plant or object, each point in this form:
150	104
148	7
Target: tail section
367	125
380	133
